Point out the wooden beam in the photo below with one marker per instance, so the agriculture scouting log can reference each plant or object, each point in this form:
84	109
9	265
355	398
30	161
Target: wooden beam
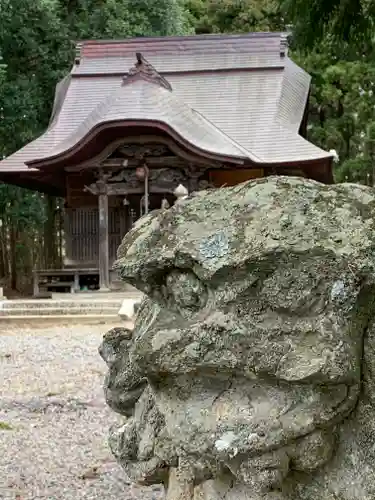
156	161
121	189
175	148
118	163
103	242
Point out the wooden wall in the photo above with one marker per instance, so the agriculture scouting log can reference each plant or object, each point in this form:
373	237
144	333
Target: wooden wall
221	178
76	196
82	234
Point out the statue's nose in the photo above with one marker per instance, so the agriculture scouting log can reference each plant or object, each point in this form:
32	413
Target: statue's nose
114	341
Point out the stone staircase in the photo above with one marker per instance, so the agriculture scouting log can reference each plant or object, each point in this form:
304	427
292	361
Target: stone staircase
72	307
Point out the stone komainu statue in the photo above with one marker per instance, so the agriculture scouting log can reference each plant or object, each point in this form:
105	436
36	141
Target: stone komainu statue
250	372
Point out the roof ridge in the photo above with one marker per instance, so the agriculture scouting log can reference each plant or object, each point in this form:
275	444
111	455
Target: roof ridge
262	41
235	143
61	90
206	36
284	97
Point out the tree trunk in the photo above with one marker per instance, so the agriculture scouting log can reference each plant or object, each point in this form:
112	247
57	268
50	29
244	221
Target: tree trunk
3	272
13	257
5	249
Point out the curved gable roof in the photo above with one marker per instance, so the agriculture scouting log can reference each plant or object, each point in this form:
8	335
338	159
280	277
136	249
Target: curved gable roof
146	97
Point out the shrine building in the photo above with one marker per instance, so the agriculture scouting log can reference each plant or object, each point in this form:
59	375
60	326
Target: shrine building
137	118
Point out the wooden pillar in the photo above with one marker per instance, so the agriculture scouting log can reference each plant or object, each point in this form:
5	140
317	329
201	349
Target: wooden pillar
103	241
101	189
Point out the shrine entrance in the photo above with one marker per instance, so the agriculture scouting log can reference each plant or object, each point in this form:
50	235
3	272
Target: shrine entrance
130	178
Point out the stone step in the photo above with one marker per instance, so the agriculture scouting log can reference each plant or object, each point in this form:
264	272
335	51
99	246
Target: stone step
120	306
123	294
52	304
56	320
59	311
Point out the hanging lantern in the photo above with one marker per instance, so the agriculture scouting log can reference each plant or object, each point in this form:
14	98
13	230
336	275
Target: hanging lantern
141	172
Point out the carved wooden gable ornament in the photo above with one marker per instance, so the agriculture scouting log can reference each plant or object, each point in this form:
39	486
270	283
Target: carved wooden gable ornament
145	70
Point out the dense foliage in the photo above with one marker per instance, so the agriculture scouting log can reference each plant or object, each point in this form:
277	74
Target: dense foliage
333	40
348	21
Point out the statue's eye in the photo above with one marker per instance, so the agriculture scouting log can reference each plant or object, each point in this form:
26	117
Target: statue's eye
185	290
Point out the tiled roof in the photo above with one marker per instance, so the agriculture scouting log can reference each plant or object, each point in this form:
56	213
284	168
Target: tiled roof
143	101
294	91
238	95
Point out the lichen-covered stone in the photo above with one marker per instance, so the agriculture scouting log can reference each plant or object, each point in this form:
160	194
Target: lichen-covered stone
250	370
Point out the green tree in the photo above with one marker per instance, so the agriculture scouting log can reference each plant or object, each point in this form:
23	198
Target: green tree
36	50
234	16
341	107
348	21
128	18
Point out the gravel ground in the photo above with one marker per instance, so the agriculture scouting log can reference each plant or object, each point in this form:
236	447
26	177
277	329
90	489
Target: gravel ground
53	418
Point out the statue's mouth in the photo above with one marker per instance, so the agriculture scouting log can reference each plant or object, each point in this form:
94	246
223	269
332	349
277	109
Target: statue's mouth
227	430
123	401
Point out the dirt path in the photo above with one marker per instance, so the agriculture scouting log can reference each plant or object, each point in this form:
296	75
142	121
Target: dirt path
54	421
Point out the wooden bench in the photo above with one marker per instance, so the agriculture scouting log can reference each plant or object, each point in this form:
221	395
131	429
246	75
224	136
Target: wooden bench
59	278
